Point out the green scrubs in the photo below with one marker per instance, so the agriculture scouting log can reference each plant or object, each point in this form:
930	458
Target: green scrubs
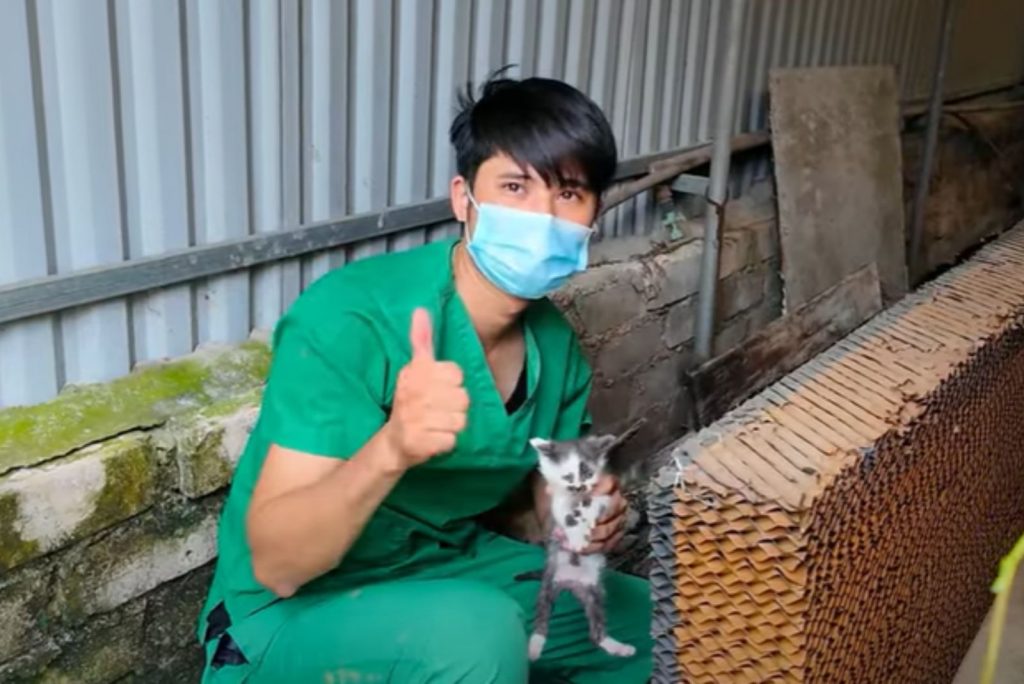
425	594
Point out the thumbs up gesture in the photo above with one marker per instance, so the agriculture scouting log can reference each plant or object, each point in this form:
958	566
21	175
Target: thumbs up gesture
430	403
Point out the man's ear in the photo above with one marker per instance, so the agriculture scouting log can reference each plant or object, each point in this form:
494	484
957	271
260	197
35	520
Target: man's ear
459	198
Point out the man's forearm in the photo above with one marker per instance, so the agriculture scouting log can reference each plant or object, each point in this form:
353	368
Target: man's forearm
303	533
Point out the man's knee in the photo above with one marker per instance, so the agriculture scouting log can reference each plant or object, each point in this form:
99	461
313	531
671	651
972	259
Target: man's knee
481	638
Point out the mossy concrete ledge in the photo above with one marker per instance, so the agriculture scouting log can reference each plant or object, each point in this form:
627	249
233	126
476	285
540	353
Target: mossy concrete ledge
134	559
207	444
45	508
88	414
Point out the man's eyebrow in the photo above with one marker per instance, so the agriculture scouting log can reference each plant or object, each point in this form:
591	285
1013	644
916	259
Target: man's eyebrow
570	182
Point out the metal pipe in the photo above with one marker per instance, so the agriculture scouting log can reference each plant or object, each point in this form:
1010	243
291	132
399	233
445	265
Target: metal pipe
915	259
718	189
666	169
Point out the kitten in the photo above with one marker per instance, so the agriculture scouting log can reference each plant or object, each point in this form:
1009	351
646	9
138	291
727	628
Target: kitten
572	469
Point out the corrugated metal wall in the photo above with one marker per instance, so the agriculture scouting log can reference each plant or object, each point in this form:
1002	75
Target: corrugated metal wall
130	129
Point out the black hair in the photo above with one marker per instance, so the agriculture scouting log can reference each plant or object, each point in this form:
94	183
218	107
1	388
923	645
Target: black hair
539	122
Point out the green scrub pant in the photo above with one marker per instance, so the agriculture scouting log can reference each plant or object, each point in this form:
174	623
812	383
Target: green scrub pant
467	622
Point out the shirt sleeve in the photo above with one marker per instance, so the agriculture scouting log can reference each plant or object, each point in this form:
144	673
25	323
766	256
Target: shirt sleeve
574	417
326	386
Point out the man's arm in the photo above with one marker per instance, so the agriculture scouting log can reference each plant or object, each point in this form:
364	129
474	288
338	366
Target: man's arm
306	511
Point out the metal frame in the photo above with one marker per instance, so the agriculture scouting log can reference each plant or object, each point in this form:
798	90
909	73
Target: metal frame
916	262
56	293
718	188
50	294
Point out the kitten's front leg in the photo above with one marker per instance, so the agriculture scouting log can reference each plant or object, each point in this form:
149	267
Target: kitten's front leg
575	527
585	516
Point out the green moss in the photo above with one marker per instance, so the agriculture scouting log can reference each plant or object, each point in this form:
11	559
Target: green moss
233	403
200	444
83	589
29	666
207	470
127	486
147	397
105	650
13	549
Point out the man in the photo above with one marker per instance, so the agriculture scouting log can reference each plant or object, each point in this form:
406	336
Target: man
401	396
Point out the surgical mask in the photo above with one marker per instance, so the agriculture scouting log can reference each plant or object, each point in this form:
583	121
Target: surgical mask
524	253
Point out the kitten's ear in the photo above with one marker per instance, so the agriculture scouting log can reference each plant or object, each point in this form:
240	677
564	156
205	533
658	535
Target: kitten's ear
602	443
542	446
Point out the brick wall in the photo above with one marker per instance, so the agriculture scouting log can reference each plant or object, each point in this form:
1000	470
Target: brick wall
635	310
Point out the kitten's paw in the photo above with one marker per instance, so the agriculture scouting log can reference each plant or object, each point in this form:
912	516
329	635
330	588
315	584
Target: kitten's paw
616	648
536	645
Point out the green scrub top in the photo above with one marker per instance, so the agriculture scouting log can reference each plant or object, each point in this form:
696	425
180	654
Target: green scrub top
336	355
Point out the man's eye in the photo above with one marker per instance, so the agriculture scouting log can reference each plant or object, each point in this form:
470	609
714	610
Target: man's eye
512	186
570	194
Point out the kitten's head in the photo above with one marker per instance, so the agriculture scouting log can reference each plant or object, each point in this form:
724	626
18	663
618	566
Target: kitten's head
573	464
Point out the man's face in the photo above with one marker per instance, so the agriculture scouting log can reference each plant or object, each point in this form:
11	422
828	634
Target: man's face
500	180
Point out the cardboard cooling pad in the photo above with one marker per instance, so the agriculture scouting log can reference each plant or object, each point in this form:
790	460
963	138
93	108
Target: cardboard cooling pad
844	525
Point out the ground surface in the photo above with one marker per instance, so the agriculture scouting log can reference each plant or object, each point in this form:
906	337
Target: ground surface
1011	654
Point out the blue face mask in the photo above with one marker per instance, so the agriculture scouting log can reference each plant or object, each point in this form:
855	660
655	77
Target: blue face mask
524	253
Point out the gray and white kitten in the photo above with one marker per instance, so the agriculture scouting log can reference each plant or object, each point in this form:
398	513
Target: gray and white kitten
571	469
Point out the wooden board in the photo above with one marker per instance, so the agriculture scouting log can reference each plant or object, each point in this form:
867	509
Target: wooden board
725	381
835	136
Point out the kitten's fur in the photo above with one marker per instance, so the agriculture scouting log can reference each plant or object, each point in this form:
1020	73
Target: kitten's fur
571	469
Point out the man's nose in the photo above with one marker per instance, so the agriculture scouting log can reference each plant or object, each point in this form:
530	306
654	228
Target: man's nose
542	200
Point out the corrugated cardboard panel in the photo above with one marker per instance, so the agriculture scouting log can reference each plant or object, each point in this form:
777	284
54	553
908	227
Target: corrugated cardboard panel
844	525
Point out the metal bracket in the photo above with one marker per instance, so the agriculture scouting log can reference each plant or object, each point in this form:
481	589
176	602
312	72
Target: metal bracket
690	184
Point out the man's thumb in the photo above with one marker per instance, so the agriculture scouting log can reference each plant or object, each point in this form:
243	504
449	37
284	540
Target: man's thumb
421	335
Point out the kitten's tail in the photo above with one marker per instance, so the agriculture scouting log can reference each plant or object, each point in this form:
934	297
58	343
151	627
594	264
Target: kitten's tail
630	431
617	463
529	575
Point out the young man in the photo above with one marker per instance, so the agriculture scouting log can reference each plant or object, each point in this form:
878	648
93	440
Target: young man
401	396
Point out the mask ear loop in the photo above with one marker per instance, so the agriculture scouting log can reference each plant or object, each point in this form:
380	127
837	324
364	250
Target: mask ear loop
472	200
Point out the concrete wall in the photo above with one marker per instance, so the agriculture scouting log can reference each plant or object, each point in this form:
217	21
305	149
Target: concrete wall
109	498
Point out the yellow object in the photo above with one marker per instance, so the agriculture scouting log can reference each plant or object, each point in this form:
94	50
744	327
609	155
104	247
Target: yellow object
1001	588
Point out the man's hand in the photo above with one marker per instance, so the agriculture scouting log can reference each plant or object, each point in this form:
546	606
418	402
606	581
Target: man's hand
430	405
611	527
